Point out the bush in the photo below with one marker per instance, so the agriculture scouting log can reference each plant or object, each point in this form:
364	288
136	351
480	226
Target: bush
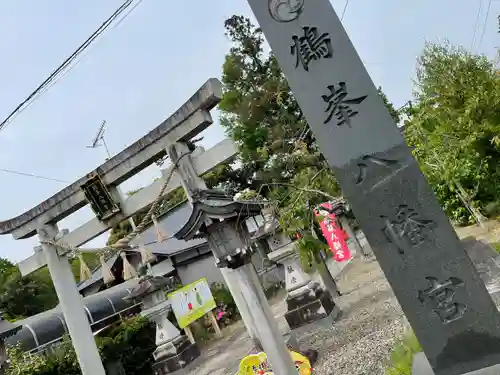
201	330
132	343
59	361
224	299
402	355
492	210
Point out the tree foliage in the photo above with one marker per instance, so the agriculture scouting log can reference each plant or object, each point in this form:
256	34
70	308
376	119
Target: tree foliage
392	111
454	127
21	297
132	342
279	158
123	228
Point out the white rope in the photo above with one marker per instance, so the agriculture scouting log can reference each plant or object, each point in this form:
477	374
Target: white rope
123	243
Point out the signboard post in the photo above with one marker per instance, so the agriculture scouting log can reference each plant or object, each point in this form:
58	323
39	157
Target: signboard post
192	302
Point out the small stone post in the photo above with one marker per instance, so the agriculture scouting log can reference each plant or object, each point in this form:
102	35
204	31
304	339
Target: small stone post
325	274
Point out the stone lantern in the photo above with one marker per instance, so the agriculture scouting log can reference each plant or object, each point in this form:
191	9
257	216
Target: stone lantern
270	231
174	351
307	301
220	219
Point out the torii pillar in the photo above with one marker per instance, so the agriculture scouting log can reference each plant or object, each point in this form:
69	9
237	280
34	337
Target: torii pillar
100	189
218	218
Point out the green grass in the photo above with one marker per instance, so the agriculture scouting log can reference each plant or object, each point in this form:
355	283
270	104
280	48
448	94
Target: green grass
402	355
496	246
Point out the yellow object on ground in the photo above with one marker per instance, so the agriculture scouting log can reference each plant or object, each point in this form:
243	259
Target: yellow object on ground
257	364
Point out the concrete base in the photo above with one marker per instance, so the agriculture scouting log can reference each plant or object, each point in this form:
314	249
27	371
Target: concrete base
421	366
185	353
310	307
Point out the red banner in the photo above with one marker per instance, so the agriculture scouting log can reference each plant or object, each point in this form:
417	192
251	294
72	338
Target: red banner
335	236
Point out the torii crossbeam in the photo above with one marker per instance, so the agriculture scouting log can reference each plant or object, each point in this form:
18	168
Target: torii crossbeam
99	189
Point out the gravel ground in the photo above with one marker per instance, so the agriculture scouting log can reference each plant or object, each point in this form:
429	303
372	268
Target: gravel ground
358	344
361	341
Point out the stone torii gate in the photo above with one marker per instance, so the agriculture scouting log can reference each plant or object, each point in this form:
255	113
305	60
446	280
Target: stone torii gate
100	189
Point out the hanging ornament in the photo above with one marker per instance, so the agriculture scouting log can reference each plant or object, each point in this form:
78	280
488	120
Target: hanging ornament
159	235
129	272
85	272
107	275
146	255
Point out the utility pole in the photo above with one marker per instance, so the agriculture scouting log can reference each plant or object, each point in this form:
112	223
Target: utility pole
99	141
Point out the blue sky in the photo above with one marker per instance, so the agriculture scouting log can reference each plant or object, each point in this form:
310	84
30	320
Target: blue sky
141	71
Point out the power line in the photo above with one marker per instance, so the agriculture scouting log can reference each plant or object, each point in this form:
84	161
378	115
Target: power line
32	175
56	74
81	57
345	8
476	24
485	23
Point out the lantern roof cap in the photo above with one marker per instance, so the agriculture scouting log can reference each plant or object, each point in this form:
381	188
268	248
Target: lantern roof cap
215	205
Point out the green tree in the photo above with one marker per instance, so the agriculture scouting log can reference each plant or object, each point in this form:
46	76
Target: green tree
123	228
91	259
279	158
21	297
392	111
454	127
278	154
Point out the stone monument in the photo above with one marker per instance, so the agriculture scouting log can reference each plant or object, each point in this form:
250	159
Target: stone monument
174	351
436	284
